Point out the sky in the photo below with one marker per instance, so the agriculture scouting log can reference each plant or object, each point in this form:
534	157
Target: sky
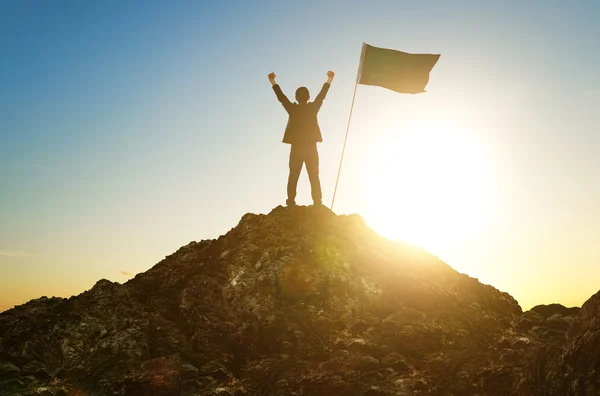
129	130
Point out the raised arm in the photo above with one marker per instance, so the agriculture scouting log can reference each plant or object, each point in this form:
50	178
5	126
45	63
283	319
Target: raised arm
280	95
321	96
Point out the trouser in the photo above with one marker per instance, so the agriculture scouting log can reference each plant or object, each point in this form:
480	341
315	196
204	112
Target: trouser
304	154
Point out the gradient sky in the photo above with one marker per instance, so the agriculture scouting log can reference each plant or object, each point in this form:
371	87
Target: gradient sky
127	131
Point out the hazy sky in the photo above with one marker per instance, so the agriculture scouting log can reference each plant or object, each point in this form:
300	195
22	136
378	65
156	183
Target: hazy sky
127	131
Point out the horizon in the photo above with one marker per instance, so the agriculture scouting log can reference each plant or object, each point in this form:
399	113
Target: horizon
130	130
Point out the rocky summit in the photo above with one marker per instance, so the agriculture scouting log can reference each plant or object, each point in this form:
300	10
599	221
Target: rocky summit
298	302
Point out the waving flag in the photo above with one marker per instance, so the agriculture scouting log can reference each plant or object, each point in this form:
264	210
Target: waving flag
395	70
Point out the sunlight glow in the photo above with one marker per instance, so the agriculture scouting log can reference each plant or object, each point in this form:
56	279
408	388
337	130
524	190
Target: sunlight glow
430	185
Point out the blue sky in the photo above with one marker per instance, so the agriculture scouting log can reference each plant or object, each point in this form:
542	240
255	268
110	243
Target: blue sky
127	131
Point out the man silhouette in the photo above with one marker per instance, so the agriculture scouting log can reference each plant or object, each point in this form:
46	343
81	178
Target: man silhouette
303	133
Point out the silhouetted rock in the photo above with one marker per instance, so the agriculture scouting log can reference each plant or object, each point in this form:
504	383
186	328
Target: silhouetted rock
547	321
573	366
555	309
297	302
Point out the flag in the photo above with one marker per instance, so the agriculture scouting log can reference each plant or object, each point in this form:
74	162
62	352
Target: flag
395	70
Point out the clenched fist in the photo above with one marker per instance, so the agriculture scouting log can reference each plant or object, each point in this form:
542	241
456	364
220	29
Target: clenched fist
272	76
330	74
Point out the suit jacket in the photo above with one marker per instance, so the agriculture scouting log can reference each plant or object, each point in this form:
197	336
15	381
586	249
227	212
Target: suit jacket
302	126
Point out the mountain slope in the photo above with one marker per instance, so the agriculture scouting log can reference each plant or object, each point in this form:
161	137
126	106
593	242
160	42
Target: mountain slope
297	302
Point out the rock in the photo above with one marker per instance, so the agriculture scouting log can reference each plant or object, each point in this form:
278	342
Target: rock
528	320
8	370
572	367
45	391
299	301
557	321
551	309
547	321
188	372
36	369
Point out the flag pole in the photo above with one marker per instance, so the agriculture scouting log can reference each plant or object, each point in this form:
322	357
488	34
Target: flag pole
348	126
344	147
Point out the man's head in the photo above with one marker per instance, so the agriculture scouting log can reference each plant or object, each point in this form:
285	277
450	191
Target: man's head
302	95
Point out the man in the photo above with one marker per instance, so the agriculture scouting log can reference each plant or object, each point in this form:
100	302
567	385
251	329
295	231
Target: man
303	133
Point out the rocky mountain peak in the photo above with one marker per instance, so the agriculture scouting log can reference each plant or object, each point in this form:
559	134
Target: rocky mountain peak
299	301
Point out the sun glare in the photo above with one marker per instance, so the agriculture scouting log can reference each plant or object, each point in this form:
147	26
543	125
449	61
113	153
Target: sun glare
429	185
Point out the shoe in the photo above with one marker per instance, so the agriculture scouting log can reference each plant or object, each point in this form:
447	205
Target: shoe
290	202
